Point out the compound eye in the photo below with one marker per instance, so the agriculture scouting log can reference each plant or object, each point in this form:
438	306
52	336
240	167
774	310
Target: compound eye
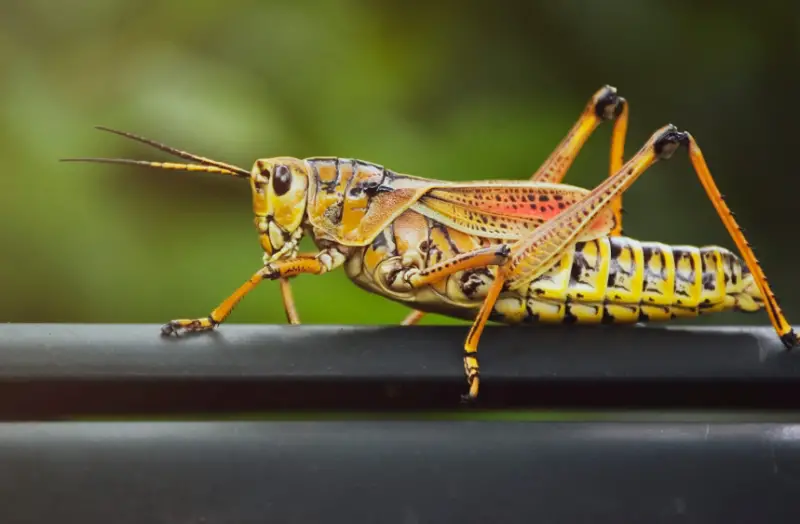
281	180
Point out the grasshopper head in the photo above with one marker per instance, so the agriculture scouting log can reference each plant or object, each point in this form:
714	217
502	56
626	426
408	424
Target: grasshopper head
280	187
279	190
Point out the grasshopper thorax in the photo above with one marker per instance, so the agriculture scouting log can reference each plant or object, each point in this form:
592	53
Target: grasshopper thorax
280	190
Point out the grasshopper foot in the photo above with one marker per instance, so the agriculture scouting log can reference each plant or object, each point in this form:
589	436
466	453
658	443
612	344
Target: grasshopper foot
789	339
175	327
473	380
468	400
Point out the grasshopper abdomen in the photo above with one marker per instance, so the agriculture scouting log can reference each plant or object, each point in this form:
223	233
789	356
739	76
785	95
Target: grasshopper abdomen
620	280
613	280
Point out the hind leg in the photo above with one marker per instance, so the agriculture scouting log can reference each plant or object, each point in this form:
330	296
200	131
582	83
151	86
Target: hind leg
531	256
776	316
604	105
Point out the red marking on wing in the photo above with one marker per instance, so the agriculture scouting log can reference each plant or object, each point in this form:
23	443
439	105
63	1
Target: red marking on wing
506	209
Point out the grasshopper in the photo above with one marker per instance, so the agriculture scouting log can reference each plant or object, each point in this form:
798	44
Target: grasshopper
510	251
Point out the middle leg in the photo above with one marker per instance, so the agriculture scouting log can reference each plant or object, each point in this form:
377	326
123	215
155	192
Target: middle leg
413	278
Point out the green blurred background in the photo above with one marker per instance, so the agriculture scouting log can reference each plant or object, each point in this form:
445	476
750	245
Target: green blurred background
451	90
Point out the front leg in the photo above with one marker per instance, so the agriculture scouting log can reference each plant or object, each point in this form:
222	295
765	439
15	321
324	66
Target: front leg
288	302
318	264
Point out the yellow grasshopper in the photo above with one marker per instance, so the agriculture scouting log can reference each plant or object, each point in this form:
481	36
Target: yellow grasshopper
508	251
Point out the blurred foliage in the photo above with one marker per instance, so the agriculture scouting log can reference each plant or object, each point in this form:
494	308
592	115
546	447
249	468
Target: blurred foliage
451	90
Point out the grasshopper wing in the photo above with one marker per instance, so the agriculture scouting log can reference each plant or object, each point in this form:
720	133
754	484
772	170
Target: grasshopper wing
505	210
351	201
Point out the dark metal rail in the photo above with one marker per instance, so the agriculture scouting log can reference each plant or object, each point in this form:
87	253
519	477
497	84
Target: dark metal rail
394	471
57	370
399	472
